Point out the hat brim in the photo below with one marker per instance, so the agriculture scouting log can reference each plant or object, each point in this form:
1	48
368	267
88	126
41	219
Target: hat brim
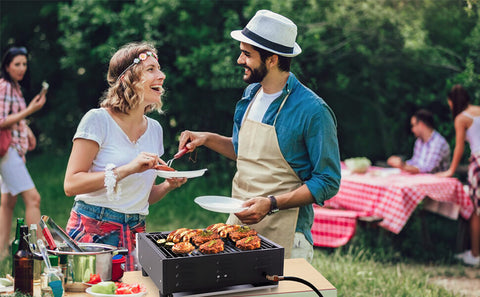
238	35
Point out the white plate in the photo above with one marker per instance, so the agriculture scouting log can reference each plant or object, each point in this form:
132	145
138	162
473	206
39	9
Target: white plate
187	174
220	204
89	291
385	172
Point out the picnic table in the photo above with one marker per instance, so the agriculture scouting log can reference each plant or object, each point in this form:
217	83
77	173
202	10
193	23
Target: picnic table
391	196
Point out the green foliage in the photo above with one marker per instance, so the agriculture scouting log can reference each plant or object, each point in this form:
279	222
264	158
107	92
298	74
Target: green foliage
374	62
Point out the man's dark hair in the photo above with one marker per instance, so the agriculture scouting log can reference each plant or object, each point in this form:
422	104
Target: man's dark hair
283	62
426	117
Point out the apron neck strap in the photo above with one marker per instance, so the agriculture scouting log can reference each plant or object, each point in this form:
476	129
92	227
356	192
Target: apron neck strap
255	97
280	108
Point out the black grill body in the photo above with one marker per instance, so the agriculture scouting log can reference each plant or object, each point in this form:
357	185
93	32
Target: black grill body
197	272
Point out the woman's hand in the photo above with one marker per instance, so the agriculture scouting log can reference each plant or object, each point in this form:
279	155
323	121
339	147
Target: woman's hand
37	103
143	161
175	182
447	173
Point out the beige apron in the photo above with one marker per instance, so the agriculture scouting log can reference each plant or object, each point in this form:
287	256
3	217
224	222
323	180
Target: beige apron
261	171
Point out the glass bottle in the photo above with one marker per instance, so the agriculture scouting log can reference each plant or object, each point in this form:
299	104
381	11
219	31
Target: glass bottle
16	242
37	263
63	265
23	260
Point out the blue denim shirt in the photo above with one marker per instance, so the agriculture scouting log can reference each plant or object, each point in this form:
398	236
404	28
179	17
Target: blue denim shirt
307	135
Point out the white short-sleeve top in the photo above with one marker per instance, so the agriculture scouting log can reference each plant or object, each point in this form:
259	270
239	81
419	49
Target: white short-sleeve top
115	147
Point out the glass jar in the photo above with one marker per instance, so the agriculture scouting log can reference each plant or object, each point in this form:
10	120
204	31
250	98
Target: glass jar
52	283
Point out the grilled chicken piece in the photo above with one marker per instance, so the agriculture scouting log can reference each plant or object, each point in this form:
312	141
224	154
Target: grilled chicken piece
249	243
214	228
242	232
225	230
183	247
190	234
179	235
172	234
204	236
212	247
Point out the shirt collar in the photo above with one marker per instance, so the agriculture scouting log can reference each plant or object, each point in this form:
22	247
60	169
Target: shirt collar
291	81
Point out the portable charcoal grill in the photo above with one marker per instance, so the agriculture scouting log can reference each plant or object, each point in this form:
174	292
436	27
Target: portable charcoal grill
197	272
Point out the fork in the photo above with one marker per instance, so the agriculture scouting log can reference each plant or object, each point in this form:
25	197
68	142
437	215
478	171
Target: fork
177	155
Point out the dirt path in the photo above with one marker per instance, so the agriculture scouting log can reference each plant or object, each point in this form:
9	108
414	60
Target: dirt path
467	285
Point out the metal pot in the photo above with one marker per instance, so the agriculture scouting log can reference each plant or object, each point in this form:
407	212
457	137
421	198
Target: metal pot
96	258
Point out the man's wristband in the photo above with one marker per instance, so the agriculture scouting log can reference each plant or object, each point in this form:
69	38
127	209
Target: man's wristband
273	205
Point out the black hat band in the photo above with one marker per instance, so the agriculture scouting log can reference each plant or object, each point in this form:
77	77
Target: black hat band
267	43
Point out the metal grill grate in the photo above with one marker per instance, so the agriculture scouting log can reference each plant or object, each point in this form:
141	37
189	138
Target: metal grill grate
229	246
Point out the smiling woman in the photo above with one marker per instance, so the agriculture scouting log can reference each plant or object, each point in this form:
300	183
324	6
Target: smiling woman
116	149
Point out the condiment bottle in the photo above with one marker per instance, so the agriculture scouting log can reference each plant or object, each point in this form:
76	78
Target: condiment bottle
37	263
16	242
23	262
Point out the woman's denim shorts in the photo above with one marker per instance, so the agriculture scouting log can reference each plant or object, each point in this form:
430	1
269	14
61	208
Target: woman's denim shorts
106	214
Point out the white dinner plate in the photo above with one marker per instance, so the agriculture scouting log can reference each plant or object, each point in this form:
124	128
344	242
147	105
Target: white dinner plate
89	291
384	172
187	174
220	204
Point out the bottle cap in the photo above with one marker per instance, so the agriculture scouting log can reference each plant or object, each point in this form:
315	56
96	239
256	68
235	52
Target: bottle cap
53	260
33	227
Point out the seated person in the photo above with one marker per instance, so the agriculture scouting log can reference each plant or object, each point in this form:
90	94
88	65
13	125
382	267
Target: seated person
431	152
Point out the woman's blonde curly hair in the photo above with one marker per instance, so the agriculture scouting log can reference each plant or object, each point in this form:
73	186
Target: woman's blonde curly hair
125	93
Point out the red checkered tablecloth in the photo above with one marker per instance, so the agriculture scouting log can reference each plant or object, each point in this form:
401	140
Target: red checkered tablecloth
392	197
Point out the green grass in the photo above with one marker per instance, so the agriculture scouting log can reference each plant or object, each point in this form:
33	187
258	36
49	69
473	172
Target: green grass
374	263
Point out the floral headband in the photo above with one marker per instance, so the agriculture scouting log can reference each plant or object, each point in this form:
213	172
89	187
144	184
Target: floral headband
141	57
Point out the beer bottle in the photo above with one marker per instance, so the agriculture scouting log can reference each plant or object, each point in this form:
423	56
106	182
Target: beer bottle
23	260
16	241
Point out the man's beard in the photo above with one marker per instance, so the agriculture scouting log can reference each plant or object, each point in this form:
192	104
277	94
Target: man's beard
257	74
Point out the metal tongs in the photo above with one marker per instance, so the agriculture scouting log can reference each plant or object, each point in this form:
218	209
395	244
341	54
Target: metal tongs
177	155
59	231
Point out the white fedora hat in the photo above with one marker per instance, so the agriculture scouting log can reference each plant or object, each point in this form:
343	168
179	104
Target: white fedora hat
272	32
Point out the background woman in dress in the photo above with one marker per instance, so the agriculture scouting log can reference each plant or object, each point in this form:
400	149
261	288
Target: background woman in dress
466	119
13	113
115	151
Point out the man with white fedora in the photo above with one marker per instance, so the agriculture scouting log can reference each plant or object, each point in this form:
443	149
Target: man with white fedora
284	139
